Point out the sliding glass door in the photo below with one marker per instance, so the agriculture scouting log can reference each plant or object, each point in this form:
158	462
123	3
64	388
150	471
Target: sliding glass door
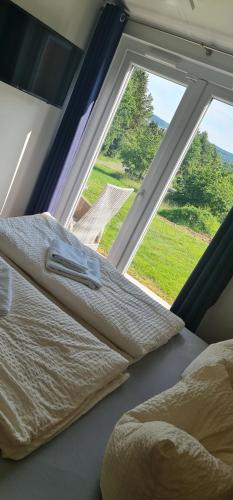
143	152
162	170
133	140
193	208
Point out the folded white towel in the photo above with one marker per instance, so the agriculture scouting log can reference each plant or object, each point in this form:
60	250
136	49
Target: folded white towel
90	278
68	256
5	288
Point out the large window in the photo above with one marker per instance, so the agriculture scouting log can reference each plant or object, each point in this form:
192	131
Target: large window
161	128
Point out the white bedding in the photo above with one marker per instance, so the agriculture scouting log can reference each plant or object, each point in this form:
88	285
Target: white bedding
177	445
119	310
52	370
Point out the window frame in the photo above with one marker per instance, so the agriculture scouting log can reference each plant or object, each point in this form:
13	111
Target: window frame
205	78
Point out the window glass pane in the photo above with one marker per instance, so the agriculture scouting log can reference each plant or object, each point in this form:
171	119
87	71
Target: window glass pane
144	113
194	207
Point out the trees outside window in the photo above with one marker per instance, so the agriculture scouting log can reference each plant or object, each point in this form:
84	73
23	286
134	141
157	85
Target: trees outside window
204	180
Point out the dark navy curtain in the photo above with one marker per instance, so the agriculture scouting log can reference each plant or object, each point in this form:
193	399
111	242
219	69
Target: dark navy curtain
208	280
86	90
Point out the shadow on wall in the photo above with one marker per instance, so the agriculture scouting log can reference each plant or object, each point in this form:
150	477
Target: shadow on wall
217	322
21	155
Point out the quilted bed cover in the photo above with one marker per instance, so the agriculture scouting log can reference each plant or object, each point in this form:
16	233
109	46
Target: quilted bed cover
52	370
119	310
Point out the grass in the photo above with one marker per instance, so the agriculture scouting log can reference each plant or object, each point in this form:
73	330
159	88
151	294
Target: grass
168	252
166	258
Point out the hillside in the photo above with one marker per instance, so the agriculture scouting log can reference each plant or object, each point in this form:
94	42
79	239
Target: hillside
160	122
226	155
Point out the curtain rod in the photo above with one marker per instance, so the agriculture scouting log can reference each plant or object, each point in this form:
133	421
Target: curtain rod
207	47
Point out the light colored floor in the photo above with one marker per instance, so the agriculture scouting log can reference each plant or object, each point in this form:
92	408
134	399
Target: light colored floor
148	292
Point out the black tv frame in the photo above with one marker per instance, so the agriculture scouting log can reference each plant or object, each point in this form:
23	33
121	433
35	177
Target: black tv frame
76	59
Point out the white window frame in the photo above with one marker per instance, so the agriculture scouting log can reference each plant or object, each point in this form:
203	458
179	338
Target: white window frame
162	170
129	54
164	167
171	57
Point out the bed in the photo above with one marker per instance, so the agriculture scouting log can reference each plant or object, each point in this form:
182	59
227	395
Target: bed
52	369
142	325
69	466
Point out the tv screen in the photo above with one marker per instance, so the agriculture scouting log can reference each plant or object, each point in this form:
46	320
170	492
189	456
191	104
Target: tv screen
33	57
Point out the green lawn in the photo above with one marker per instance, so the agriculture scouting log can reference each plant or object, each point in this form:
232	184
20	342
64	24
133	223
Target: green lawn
168	252
166	258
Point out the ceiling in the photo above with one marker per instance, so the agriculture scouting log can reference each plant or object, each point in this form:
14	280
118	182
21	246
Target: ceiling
208	21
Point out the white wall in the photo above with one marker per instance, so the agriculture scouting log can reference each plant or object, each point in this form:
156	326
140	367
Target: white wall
217	323
22	114
71	18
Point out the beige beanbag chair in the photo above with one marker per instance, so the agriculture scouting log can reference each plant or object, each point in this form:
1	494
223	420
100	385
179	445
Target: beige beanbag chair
219	353
176	446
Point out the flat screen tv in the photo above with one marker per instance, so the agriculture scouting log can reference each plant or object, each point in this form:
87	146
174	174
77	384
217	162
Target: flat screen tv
33	57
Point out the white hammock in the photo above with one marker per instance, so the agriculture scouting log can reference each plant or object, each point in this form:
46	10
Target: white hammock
89	228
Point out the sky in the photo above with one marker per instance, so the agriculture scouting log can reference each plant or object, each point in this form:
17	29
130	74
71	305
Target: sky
218	120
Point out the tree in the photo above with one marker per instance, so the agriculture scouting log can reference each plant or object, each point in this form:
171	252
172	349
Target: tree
203	180
139	149
133	113
201	152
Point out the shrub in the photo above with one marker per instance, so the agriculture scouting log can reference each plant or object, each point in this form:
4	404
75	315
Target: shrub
198	219
139	148
205	186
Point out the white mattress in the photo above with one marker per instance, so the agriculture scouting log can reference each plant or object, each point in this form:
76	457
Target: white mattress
119	310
